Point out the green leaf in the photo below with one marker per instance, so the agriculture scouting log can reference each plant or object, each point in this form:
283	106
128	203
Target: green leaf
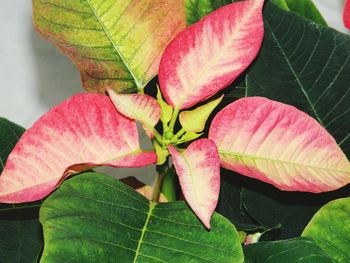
305	65
286	251
271	207
281	4
20	230
196	9
230	203
307	9
9	135
95	218
114	43
330	229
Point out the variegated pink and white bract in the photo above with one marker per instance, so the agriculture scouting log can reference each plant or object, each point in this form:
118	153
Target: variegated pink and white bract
198	169
346	14
209	55
80	133
278	144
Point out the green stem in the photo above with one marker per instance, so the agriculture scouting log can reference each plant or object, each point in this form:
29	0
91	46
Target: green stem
157	186
173	119
168	187
180	133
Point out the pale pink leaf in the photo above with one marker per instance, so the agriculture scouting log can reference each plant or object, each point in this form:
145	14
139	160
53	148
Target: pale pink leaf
82	132
207	56
198	168
278	144
139	107
346	14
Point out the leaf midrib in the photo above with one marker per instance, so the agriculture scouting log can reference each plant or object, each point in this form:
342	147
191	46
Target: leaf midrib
144	229
138	84
266	22
254	157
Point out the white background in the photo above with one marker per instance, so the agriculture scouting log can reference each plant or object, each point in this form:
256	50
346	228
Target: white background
35	76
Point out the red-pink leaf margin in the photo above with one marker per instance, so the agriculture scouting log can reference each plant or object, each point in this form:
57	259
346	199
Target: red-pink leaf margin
207	56
198	169
82	132
278	144
346	14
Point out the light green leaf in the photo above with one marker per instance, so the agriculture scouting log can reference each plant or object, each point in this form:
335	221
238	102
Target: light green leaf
195	120
196	9
281	4
189	136
330	229
114	43
287	251
307	66
307	9
167	110
95	218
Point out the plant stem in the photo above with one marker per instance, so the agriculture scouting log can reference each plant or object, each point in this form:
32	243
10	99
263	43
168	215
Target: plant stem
157	186
173	119
180	133
168	187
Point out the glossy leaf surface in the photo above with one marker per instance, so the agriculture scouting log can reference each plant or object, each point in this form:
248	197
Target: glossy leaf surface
307	67
20	233
287	251
94	218
198	169
330	229
114	43
209	55
82	132
280	145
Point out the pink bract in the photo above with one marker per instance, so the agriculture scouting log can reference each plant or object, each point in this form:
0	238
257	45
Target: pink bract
198	168
278	144
80	133
207	56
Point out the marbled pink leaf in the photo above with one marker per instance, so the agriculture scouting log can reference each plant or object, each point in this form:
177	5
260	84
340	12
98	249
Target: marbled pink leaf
278	144
139	107
198	168
80	133
346	14
207	56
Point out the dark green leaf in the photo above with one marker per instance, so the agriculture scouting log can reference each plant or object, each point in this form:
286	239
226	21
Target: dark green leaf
330	229
292	210
286	251
20	229
230	203
9	135
307	9
94	218
306	65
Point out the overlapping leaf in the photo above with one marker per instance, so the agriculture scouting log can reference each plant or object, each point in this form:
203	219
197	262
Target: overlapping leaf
196	9
198	169
287	251
20	233
114	43
210	54
280	145
81	132
307	66
94	218
140	107
330	229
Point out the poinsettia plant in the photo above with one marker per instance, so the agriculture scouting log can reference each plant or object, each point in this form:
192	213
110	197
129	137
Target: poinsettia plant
289	129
